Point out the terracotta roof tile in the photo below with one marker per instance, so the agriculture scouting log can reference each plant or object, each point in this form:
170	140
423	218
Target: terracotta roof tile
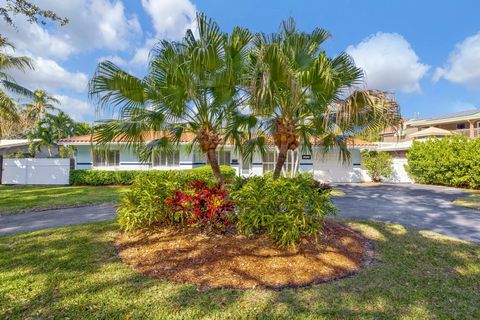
189	136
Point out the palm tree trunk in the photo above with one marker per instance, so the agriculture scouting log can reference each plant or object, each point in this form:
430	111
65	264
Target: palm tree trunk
212	159
282	156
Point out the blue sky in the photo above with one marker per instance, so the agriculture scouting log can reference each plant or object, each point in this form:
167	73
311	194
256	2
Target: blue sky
428	52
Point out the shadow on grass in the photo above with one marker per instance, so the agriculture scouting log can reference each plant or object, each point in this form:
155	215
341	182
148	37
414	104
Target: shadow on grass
74	272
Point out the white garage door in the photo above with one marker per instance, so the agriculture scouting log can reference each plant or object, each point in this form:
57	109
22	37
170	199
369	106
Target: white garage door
328	167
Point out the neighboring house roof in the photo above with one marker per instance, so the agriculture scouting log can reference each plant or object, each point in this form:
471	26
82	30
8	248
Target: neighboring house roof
185	138
445	118
430	132
14	143
396	146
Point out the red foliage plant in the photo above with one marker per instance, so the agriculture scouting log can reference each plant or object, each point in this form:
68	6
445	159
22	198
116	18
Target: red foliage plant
203	205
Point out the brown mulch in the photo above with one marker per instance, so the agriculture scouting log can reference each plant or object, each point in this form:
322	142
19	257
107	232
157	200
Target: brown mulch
235	261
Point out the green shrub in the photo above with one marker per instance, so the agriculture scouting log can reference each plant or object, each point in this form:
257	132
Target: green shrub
451	161
145	202
378	164
285	209
126	177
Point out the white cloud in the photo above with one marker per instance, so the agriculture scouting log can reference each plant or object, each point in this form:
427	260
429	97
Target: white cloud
140	58
79	110
119	61
389	62
171	18
463	64
50	76
94	24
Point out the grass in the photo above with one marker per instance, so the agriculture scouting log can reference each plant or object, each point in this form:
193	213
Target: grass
73	272
15	199
471	201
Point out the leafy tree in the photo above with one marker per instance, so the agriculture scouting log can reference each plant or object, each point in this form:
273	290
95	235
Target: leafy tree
41	104
379	164
191	86
30	10
303	97
50	129
8	106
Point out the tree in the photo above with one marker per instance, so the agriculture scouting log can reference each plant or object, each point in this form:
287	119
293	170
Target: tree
378	164
192	86
305	97
41	104
8	106
50	129
33	12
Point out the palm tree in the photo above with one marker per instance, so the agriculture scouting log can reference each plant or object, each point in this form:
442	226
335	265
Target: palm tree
303	97
41	104
8	105
50	129
192	86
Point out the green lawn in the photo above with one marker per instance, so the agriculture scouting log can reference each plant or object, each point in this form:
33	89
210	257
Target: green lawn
14	199
74	273
471	201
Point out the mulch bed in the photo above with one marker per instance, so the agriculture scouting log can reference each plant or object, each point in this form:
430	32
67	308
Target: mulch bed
235	261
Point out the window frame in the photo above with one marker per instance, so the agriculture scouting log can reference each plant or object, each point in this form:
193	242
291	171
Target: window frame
172	159
115	156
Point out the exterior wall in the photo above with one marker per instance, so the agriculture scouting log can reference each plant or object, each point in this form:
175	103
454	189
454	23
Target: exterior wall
324	167
51	171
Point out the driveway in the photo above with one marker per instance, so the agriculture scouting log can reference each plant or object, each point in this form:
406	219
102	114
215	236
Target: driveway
25	222
419	206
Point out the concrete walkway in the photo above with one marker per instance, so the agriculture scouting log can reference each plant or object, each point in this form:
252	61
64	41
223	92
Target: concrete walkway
25	222
419	206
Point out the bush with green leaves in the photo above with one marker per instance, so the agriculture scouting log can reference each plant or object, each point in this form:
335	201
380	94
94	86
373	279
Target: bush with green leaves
285	208
145	202
126	177
450	161
379	164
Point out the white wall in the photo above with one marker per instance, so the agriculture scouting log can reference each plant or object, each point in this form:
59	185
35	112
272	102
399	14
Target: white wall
36	171
399	173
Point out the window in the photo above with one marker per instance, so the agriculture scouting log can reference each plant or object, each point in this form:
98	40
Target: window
461	126
269	160
106	158
223	157
166	159
199	157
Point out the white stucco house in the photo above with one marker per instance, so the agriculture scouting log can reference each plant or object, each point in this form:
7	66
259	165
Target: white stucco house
324	166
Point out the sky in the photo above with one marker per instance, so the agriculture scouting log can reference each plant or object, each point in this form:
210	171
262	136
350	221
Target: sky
427	52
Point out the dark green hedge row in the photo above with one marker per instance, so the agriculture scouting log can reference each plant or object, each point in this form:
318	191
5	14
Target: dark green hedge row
451	161
126	177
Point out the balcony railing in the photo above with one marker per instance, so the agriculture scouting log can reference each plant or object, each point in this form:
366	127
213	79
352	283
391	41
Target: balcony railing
466	132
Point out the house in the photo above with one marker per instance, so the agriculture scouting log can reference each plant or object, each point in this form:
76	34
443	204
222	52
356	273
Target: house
325	166
397	140
466	123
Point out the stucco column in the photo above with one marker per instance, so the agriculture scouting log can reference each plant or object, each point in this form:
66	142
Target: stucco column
472	129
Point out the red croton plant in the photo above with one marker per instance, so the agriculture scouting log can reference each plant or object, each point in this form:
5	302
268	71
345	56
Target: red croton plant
203	205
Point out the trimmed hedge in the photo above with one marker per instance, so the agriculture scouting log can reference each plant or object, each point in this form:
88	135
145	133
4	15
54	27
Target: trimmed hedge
126	177
451	161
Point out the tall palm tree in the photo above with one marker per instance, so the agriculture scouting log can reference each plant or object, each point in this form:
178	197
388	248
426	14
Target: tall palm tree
40	105
192	86
51	128
305	97
8	105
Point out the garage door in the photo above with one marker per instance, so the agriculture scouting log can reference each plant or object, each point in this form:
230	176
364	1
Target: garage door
327	167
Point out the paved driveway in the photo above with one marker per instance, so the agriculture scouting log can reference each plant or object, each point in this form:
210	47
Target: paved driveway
423	207
25	222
